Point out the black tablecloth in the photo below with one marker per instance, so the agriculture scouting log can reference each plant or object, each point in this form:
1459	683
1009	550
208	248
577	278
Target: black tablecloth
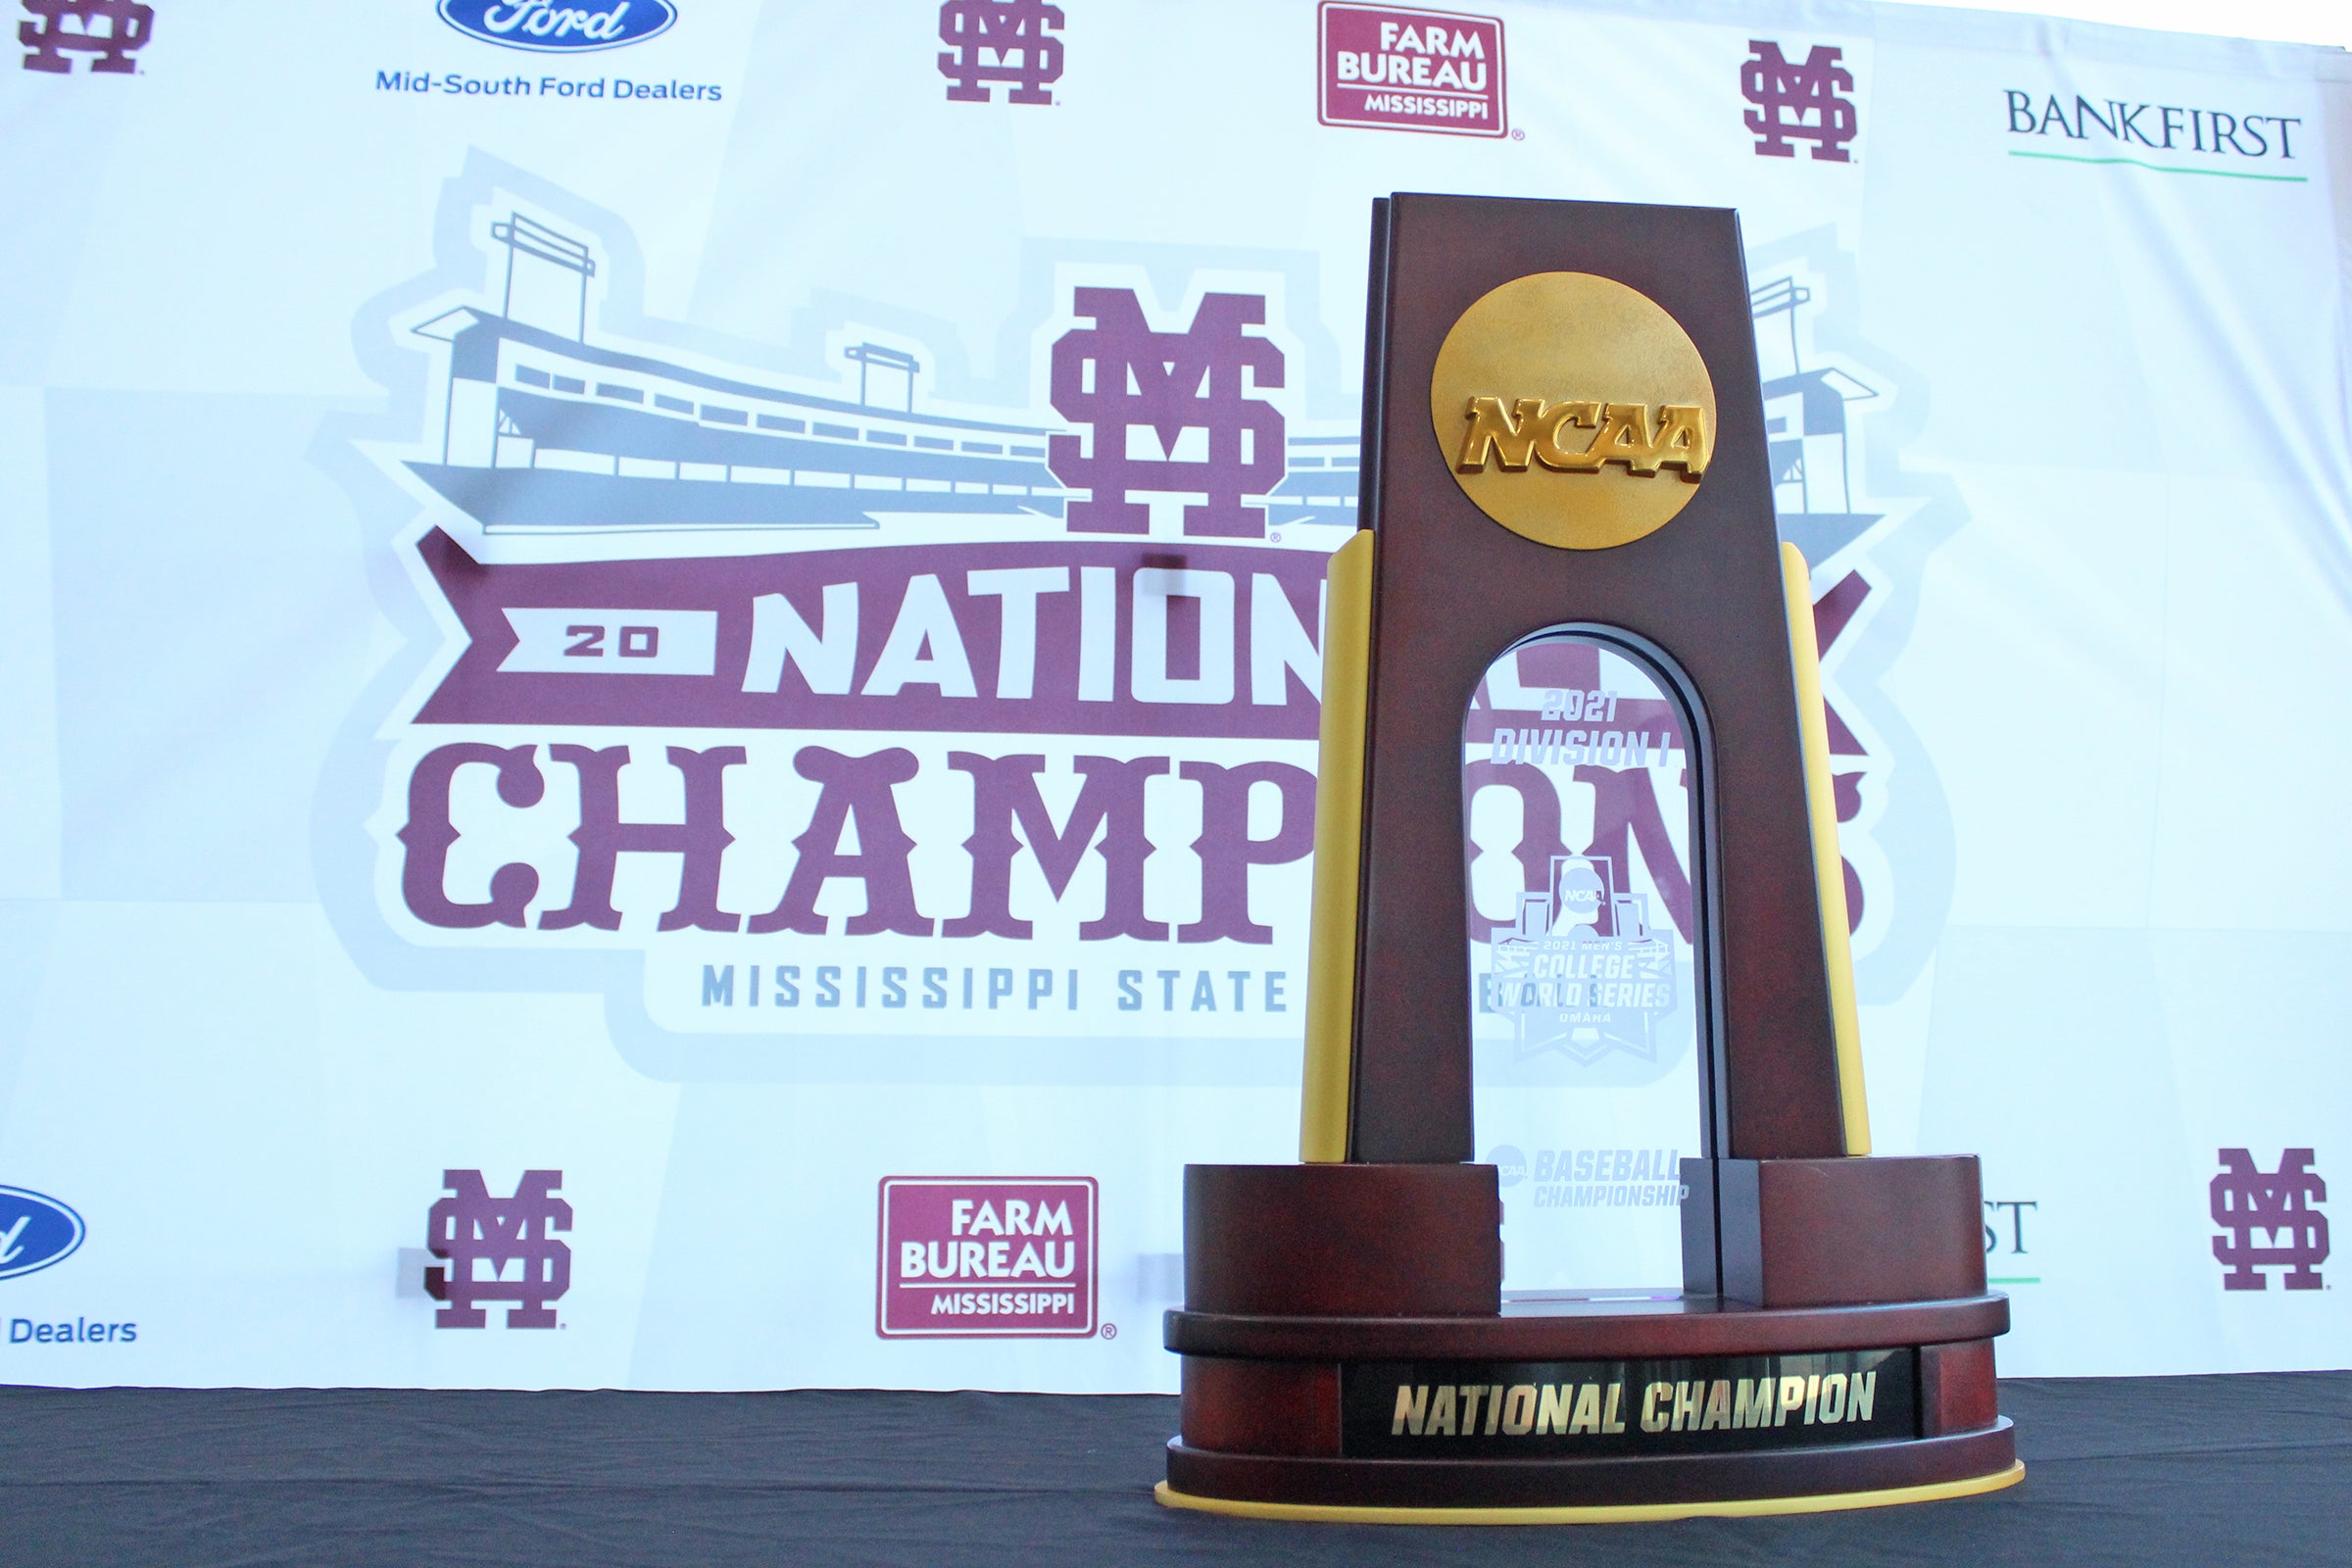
2206	1471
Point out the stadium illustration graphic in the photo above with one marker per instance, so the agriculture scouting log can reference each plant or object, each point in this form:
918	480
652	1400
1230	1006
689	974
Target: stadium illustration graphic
1805	428
547	432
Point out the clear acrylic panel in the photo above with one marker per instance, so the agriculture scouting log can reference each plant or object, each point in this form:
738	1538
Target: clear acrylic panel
1584	1004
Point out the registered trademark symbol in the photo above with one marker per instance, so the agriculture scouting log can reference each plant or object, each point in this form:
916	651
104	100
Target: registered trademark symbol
1111	1330
1518	135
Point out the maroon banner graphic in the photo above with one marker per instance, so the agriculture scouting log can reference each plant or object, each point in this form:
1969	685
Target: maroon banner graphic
1044	638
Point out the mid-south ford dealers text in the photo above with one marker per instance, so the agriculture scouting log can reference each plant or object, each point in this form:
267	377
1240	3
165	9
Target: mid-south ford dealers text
457	85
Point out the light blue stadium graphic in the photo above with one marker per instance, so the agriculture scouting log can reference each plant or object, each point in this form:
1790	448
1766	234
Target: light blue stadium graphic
1321	484
547	432
1804	430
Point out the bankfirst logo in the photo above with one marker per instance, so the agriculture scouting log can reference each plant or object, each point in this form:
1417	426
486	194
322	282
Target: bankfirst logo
2005	1240
2163	139
987	1258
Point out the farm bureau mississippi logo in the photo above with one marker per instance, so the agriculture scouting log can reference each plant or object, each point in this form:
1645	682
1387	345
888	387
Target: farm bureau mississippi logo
987	1258
108	31
1389	68
549	27
498	1249
2246	1200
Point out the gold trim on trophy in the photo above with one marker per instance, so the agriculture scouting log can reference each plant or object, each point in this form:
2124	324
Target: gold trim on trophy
1828	867
1620	1513
1339	858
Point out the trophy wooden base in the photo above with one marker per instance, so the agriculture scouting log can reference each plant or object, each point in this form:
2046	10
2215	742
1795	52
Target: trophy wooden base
1347	1355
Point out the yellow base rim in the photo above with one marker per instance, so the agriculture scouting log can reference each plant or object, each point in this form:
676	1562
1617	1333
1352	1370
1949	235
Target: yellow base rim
1600	1514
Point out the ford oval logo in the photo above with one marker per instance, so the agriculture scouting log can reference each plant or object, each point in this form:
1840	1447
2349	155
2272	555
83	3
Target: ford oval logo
553	26
35	1231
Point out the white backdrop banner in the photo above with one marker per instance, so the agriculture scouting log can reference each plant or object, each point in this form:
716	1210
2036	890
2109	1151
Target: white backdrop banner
659	661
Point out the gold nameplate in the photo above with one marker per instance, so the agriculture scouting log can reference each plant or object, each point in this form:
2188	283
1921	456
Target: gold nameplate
1573	410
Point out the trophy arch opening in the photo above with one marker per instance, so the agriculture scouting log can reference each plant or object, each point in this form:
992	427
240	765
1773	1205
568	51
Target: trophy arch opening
1593	1008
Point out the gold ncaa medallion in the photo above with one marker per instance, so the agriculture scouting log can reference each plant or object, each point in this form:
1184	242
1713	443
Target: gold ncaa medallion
1573	410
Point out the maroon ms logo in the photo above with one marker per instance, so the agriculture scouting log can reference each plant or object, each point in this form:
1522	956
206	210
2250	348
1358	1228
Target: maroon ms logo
1000	40
107	31
1188	393
526	1264
1801	102
2246	1199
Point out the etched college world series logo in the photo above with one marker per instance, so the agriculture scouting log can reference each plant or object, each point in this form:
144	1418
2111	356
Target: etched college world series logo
1583	973
498	1249
2246	1200
107	31
1002	1257
1799	102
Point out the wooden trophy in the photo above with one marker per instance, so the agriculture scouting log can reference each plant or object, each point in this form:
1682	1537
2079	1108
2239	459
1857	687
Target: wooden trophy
1563	432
